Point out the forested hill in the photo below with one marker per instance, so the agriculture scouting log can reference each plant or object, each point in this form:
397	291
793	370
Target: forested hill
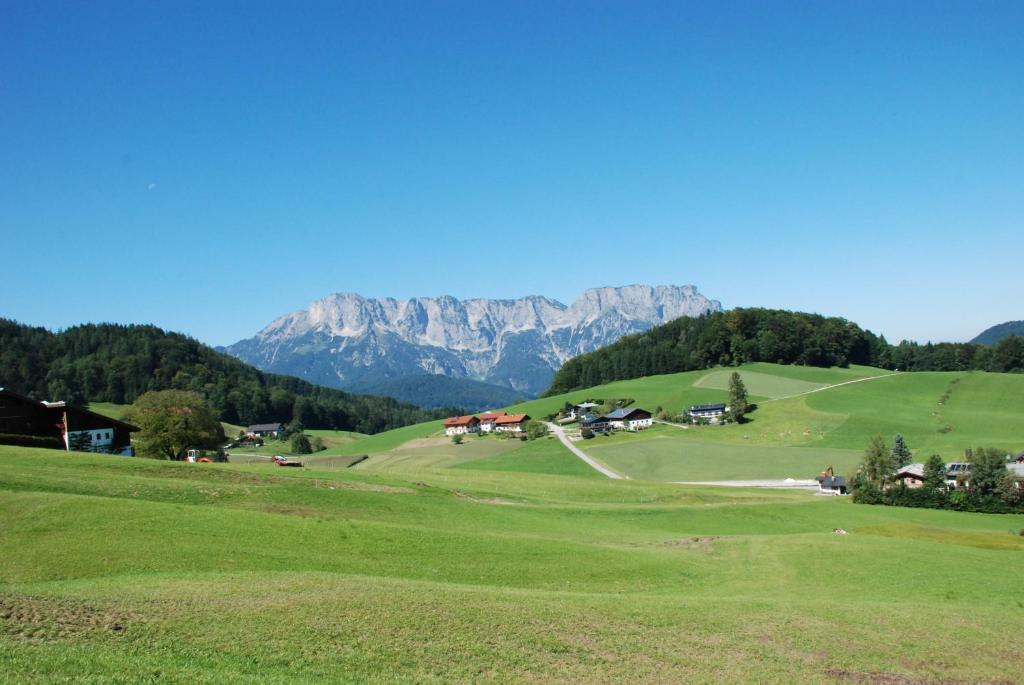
114	363
990	336
770	335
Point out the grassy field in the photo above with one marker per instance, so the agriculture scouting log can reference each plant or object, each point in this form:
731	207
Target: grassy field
661	456
129	570
806	419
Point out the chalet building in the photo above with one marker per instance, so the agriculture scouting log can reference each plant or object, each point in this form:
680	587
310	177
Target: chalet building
69	426
911	475
598	424
579	410
958	474
511	423
266	430
630	419
709	412
460	425
488	421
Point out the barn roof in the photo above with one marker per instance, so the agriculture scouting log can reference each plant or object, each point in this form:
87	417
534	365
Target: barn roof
512	418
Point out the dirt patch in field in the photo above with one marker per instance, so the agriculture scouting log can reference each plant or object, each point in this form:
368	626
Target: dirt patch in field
699	544
485	500
369	487
881	678
43	618
420	443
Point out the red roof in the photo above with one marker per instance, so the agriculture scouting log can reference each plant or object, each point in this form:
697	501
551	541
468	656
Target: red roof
512	418
460	421
490	417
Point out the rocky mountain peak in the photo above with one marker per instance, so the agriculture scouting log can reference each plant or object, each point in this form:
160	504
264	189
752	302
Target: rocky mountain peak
343	339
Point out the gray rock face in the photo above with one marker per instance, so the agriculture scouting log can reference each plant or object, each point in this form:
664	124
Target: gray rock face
346	339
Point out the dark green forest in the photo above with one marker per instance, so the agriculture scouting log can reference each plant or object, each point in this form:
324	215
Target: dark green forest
739	336
115	363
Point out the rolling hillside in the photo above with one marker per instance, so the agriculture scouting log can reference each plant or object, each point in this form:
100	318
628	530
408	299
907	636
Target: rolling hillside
806	419
457	573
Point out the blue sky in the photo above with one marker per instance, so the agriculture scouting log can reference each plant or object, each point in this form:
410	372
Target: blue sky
209	166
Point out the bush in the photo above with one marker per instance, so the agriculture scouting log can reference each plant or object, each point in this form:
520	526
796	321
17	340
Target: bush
44	442
300	444
457	439
587	433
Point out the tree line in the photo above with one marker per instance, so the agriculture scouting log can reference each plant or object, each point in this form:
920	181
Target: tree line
739	336
119	363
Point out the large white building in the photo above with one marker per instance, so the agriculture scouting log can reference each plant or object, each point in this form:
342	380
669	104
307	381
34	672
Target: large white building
460	425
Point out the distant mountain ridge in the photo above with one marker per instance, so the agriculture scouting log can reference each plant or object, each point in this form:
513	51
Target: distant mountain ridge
346	340
993	334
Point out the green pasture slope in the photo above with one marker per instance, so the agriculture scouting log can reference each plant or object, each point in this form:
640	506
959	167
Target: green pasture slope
806	419
131	570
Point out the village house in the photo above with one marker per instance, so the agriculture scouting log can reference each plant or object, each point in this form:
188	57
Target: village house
265	430
957	474
709	412
579	410
597	424
67	425
911	475
487	421
460	425
511	423
630	419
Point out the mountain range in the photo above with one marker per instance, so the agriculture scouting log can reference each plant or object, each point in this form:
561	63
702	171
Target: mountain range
349	341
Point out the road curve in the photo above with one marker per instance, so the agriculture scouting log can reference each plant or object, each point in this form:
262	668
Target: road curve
591	462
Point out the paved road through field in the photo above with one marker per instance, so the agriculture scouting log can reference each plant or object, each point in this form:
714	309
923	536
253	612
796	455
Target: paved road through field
788	483
593	463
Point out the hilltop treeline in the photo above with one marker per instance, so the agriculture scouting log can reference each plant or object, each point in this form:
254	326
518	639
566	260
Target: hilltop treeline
114	363
739	336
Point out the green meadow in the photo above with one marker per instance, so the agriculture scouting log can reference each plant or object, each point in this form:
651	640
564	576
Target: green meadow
805	420
466	567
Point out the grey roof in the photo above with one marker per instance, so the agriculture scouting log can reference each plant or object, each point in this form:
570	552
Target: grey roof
912	470
623	412
587	405
265	427
708	407
832	481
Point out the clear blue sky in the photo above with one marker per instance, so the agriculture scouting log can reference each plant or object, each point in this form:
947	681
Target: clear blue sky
208	166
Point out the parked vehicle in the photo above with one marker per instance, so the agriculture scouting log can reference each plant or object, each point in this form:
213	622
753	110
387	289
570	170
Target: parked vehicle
281	460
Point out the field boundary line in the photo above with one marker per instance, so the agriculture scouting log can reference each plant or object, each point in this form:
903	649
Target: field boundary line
593	463
829	387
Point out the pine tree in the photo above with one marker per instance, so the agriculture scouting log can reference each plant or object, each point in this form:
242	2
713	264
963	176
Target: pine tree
900	452
737	397
935	474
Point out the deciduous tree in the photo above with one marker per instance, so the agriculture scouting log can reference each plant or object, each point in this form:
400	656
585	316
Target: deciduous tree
173	421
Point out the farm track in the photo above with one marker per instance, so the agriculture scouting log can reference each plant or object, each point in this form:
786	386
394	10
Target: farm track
830	387
590	461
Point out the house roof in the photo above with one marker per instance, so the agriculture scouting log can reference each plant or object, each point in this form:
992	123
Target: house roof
832	481
587	405
916	470
625	413
708	407
265	427
512	419
460	421
491	416
70	408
